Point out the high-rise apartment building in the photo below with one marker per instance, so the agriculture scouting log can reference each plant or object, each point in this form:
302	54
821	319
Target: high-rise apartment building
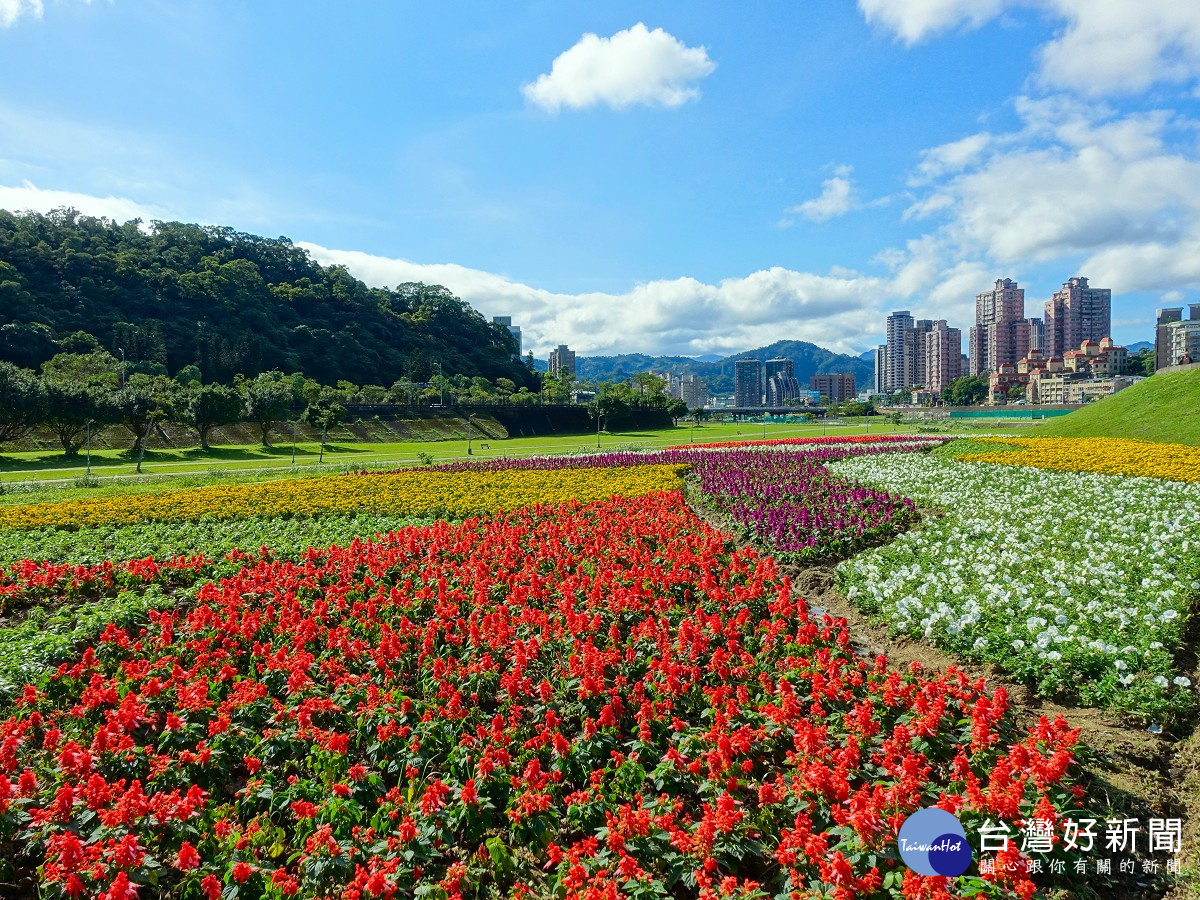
693	391
914	353
747	382
836	387
941	350
1162	342
897	361
781	388
1001	334
780	365
880	369
1076	313
562	359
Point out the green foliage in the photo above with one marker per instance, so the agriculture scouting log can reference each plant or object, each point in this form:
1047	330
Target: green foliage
20	401
174	295
144	401
211	405
268	401
70	406
969	390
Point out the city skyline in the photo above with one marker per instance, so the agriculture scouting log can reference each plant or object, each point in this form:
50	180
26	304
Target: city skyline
683	179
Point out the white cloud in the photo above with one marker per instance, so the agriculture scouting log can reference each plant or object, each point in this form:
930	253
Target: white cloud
837	198
28	196
1074	183
952	157
634	67
914	20
11	10
841	310
1105	46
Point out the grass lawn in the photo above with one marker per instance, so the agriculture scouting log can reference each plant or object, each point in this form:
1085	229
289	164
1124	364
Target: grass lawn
1164	407
38	476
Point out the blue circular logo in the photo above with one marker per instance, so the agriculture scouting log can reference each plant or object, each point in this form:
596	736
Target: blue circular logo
933	842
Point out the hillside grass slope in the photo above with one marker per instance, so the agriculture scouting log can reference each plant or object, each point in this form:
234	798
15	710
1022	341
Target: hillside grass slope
1165	407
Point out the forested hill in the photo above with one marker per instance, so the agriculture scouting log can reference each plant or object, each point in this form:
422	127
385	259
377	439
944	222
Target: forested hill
174	295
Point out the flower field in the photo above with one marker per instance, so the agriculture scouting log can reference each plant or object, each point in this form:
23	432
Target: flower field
416	493
1072	581
550	678
1110	456
583	701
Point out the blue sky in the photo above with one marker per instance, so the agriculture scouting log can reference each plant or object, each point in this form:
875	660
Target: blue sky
667	178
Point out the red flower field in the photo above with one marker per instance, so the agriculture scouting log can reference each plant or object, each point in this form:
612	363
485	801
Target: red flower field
576	701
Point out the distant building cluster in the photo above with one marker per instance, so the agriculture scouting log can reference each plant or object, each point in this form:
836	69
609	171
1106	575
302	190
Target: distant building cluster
1176	340
1066	356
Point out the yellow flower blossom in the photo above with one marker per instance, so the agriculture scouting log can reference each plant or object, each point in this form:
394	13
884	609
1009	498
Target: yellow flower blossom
1110	456
417	493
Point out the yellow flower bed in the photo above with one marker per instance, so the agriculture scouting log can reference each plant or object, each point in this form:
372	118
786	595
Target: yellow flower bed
1111	456
410	493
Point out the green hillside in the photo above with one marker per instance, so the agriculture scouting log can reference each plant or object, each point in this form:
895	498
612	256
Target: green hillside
1165	407
170	295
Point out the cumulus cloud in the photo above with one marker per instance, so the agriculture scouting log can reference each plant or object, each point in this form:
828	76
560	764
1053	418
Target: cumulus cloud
634	67
1117	47
12	10
840	310
1075	182
27	196
837	198
914	20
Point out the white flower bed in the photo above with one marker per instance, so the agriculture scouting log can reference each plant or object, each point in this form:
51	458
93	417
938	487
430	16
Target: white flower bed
1070	581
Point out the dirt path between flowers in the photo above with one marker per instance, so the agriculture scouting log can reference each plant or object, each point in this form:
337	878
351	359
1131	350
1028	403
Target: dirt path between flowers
1138	774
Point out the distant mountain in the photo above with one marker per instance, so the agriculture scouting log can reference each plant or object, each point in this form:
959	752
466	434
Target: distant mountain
808	360
1140	346
868	356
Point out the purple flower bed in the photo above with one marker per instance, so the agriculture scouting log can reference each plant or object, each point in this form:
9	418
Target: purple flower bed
781	497
793	505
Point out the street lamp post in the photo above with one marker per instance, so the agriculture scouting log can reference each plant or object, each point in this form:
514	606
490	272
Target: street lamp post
293	445
122	349
469	434
89	447
441	385
598	418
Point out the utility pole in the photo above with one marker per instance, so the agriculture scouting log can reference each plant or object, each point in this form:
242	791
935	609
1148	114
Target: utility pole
469	434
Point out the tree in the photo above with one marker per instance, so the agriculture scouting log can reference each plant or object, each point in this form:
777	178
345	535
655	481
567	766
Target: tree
21	401
268	400
97	368
969	390
144	402
556	387
70	407
326	413
612	405
212	405
677	409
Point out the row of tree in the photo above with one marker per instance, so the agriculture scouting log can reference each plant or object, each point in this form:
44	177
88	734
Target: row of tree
72	398
75	393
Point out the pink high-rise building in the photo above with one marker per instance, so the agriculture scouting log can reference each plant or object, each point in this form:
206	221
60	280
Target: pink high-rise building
1001	334
1077	313
942	352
